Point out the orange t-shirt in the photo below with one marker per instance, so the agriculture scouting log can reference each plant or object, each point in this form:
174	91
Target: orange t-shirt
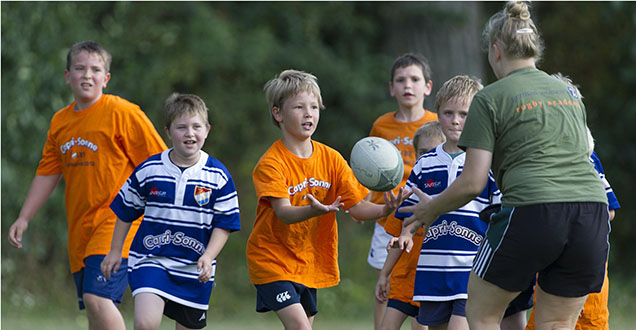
402	278
304	252
96	150
401	135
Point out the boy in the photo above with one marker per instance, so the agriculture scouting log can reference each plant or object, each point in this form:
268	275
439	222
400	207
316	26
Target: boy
452	241
299	183
190	206
94	143
398	272
410	83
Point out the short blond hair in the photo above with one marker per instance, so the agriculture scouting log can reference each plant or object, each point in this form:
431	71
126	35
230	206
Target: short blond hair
286	85
178	104
430	130
461	88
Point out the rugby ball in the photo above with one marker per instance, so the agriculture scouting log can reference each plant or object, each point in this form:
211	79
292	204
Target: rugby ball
377	163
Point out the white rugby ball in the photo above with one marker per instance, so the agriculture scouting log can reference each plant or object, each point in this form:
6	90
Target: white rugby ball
377	163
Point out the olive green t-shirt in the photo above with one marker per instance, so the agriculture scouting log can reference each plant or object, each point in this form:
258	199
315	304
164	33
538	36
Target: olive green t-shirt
535	126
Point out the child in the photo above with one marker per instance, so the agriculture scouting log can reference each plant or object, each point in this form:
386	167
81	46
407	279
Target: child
94	143
595	314
190	206
452	241
299	183
398	272
410	83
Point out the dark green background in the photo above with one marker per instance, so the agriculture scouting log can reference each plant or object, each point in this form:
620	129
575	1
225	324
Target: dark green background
226	51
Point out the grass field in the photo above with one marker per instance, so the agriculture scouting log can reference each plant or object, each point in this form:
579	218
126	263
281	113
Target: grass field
64	316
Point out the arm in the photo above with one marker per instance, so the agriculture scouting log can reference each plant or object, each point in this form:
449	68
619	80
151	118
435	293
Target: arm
293	214
467	186
112	261
40	190
383	285
217	240
366	210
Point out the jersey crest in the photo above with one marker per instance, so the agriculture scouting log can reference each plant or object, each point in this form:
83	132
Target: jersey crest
202	195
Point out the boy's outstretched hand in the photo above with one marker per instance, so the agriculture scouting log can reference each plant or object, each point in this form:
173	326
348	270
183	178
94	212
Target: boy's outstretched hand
316	205
393	201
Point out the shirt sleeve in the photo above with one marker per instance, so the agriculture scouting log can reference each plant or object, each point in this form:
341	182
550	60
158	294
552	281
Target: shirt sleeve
130	202
226	207
49	163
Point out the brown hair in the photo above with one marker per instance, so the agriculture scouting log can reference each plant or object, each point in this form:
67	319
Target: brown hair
179	104
91	47
409	59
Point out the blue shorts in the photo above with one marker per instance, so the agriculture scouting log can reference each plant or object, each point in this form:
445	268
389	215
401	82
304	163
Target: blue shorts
277	295
90	279
439	312
403	307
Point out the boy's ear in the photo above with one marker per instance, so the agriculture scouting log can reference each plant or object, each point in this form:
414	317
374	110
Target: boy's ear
276	113
167	130
67	77
106	80
428	88
391	89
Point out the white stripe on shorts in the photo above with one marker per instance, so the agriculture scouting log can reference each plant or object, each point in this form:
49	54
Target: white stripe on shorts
483	258
486	253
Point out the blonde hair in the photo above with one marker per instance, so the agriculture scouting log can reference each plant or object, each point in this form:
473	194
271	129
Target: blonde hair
180	104
286	85
91	47
461	88
429	131
517	34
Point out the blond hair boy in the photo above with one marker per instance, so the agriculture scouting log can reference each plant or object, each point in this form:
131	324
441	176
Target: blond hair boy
300	183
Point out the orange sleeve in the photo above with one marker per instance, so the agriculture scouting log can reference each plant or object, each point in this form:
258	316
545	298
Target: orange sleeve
138	137
49	163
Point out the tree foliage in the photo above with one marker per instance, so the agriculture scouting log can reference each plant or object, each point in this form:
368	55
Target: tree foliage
226	51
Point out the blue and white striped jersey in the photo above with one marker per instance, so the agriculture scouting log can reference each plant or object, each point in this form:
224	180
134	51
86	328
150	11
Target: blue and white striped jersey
448	250
180	211
611	197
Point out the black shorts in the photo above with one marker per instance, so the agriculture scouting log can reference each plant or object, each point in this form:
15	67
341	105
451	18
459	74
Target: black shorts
565	243
189	317
522	302
405	308
280	294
